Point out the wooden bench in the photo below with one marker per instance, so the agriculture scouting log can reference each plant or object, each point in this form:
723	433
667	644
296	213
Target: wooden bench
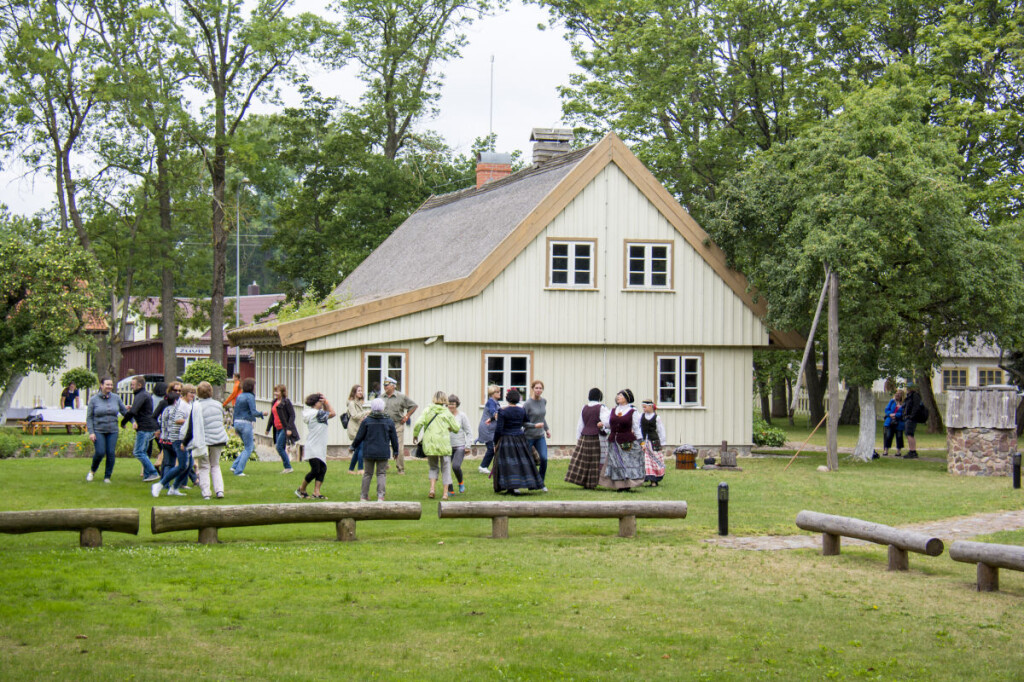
990	558
36	428
207	519
500	512
90	523
900	541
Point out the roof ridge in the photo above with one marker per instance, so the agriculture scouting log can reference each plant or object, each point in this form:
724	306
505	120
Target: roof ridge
533	169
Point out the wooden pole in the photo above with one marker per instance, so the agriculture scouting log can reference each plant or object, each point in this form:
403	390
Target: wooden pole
846	526
119	520
833	372
810	342
806	441
167	519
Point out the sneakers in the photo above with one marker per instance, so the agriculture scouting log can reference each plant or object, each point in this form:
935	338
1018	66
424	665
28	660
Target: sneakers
206	497
301	495
151	477
288	470
237	474
220	496
462	488
88	476
155	489
485	471
106	480
364	499
175	492
911	455
380	499
544	489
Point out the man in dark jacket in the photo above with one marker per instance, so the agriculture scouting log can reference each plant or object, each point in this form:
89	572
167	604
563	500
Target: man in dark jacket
141	413
910	409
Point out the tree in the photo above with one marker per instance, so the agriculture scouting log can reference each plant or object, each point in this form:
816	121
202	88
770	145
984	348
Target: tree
45	303
205	369
875	194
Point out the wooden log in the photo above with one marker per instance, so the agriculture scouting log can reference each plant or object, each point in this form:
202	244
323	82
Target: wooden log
996	556
118	520
563	510
830	544
988	578
168	519
899	560
346	530
90	537
627	527
907	540
499	527
208	536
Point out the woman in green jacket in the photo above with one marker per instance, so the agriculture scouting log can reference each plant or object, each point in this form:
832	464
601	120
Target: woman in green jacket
435	424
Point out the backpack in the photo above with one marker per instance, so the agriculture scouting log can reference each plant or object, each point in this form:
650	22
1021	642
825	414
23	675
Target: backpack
921	413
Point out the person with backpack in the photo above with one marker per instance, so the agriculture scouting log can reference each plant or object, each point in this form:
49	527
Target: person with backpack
914	413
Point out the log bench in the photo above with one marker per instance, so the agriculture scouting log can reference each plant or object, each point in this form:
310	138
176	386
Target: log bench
343	514
990	558
90	523
500	512
899	541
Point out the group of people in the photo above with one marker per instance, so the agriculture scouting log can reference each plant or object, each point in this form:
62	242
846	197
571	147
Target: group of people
901	418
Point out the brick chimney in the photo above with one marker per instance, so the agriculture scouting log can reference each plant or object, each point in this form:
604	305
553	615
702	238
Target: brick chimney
550	142
492	166
253	290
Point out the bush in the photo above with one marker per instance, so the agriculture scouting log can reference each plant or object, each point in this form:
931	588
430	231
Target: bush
205	370
234	448
768	435
83	378
125	442
9	444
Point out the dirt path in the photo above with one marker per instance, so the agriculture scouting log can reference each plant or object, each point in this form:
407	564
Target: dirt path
957	528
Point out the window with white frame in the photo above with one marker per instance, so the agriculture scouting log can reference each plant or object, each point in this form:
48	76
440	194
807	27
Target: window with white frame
648	265
679	380
990	376
508	370
275	367
571	263
379	364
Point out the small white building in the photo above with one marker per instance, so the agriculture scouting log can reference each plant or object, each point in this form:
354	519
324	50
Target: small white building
581	270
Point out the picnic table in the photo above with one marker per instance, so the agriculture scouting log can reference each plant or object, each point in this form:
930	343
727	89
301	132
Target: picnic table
48	418
38	427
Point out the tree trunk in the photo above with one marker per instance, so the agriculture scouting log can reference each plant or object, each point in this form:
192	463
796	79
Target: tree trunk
766	412
789	399
780	408
935	421
851	406
815	387
866	434
7	397
168	325
832	441
220	249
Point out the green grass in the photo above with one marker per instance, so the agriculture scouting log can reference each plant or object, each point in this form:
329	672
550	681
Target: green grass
847	437
563	599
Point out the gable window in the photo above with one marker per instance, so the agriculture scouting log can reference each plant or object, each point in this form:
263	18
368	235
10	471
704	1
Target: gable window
648	265
679	379
379	364
990	376
572	263
954	378
508	370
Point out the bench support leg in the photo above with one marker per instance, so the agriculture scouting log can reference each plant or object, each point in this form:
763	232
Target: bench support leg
208	536
499	527
898	559
90	537
627	527
988	578
829	544
346	530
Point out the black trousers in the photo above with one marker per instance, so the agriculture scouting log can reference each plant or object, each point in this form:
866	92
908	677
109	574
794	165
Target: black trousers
317	470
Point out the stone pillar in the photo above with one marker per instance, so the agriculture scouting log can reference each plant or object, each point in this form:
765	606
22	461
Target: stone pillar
981	430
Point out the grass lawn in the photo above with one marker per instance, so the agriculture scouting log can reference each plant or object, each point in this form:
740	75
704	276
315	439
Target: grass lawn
561	599
848	435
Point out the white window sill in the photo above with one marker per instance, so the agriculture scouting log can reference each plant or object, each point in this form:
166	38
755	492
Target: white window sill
651	290
553	288
682	407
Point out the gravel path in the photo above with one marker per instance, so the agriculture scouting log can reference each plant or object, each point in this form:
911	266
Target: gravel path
948	529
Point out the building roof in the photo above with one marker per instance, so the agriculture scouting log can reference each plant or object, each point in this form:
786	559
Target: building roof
418	268
249	306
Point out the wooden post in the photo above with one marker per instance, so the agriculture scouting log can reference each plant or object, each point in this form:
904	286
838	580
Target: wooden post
988	578
807	348
499	527
627	527
833	372
90	537
726	458
829	544
898	559
208	536
346	530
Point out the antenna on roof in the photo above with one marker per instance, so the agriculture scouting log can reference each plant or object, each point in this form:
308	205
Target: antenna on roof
490	127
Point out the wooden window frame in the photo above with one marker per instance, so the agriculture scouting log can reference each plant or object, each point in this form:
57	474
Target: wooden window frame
670	288
1002	375
403	387
679	388
550	242
505	352
966	375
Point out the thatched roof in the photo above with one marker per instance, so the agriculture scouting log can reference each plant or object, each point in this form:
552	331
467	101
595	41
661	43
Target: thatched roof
450	235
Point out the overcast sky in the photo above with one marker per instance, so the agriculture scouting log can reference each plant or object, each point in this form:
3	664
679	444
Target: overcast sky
529	65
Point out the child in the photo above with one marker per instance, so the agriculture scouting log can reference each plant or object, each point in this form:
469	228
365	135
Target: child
654	436
316	413
487	425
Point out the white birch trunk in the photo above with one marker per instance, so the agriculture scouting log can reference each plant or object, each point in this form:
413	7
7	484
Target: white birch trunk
7	397
866	435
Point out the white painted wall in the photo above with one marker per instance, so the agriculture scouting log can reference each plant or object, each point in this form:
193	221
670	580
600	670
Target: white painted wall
40	390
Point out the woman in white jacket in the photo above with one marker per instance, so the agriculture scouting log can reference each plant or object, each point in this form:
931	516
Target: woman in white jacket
206	439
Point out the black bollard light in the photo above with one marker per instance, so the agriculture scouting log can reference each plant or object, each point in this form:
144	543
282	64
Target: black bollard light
723	508
1016	470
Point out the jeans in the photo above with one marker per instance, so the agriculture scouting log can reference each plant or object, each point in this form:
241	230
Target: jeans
489	456
142	441
170	467
279	443
888	434
541	444
244	431
357	458
184	468
105	445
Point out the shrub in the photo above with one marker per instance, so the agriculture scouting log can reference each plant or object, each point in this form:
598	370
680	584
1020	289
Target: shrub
205	370
83	378
768	435
125	442
9	444
234	448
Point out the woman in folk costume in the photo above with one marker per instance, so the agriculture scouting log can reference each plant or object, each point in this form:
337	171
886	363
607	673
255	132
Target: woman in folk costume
513	461
585	465
654	436
624	467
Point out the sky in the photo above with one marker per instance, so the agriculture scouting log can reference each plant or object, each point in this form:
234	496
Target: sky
529	66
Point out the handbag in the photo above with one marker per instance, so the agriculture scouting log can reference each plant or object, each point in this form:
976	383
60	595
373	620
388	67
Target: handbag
418	452
345	419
